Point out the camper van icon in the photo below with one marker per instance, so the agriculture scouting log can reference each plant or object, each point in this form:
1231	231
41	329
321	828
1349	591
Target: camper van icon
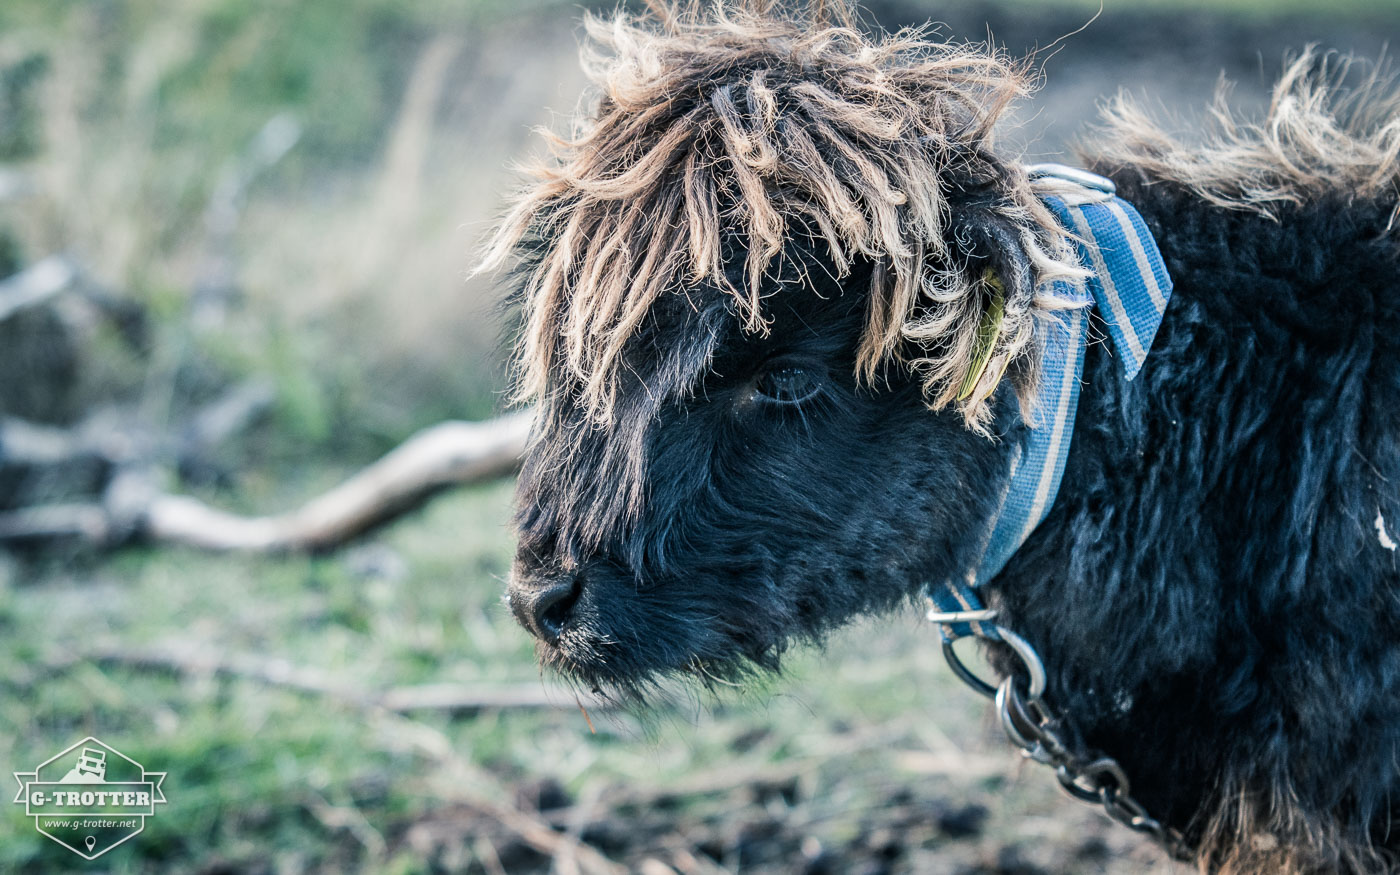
91	768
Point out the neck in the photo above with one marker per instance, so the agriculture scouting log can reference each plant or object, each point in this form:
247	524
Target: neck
1177	548
1111	632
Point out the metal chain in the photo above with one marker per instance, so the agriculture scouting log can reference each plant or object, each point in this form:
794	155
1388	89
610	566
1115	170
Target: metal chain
1036	730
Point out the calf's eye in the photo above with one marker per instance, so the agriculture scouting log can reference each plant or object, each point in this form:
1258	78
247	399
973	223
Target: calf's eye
787	384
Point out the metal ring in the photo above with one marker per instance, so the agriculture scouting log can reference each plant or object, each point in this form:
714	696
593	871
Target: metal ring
1035	669
964	673
1006	695
1108	767
1069	782
1126	810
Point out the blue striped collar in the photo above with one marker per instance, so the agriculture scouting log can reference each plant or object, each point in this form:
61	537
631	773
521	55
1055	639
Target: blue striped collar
1127	291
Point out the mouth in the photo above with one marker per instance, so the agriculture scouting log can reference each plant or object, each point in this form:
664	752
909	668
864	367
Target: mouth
617	662
606	633
624	677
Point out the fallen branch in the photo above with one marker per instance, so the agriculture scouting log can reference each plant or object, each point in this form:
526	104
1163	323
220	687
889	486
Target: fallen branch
216	279
113	435
85	522
226	417
459	699
134	507
448	454
347	818
28	443
36	284
189	658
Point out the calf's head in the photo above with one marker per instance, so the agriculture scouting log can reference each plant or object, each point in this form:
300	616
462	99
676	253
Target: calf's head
778	302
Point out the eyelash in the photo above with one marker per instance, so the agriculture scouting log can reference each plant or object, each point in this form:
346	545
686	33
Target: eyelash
787	386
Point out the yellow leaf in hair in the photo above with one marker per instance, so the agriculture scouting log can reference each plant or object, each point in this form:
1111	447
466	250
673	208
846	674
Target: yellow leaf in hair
987	333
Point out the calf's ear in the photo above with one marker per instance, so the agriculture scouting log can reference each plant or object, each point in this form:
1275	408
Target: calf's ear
993	247
993	239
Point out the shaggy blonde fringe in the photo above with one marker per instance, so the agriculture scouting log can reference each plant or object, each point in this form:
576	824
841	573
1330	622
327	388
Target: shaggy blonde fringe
1319	136
761	128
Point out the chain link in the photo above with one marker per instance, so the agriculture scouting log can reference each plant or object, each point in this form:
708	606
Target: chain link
1037	732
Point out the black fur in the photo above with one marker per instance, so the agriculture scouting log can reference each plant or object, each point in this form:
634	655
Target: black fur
1210	592
1213	557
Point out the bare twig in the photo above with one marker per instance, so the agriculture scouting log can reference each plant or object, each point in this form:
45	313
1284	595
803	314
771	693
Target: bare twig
487	856
216	281
350	819
112	435
194	658
457	698
584	812
35	284
447	454
133	505
27	443
687	863
86	522
402	177
227	416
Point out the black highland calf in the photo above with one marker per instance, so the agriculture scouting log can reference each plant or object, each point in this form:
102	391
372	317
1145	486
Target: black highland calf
750	289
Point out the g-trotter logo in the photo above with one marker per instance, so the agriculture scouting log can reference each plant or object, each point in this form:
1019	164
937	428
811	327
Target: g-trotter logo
90	797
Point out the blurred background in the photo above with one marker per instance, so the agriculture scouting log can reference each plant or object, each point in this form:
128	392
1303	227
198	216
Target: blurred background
234	245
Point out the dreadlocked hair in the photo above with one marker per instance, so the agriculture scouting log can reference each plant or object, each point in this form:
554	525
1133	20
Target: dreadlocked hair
733	130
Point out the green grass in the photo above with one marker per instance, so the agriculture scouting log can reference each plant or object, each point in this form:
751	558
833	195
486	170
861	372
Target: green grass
250	762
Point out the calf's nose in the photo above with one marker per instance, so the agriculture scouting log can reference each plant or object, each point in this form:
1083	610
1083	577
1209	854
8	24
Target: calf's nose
545	609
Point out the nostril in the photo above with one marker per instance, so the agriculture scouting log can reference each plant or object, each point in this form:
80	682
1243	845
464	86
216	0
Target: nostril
554	606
